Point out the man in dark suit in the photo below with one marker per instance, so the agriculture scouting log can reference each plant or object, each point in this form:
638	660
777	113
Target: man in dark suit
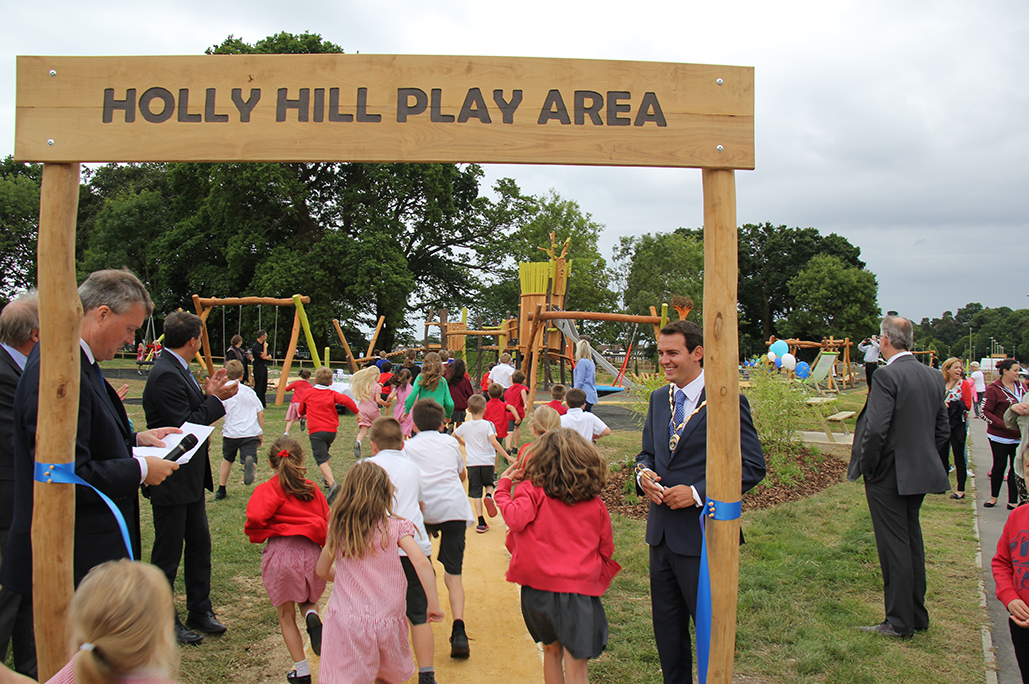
896	448
173	396
115	305
259	351
19	332
675	455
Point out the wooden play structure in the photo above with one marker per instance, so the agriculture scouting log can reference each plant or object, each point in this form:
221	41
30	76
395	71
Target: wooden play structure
84	109
843	373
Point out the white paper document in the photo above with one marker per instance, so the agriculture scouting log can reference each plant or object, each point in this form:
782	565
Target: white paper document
202	432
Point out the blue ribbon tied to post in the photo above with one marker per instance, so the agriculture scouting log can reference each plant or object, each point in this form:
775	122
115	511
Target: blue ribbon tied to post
64	473
718	510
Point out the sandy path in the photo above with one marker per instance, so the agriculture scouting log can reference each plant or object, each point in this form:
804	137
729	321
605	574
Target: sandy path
501	649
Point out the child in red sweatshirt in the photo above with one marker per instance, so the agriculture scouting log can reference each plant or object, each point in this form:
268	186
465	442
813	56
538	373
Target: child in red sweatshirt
497	410
1011	573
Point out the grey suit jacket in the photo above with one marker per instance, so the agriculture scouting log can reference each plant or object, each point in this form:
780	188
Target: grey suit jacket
902	428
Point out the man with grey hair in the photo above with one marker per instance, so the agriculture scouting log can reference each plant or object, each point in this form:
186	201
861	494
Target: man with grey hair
896	448
115	305
19	332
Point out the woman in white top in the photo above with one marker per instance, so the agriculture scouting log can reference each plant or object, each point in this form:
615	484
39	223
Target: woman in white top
979	380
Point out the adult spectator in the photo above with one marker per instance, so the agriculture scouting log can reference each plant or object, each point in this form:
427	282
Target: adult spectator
675	456
1001	394
172	396
979	384
958	400
259	351
870	348
897	443
115	305
236	352
585	375
19	332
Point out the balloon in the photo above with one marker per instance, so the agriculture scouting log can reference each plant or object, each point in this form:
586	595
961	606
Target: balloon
771	357
803	370
789	361
778	362
780	347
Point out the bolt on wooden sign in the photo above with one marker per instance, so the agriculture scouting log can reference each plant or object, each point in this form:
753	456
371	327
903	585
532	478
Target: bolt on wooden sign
384	108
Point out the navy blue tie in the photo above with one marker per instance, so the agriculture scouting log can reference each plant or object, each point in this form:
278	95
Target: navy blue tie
679	414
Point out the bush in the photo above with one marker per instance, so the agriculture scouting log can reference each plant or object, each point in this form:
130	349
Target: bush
777	407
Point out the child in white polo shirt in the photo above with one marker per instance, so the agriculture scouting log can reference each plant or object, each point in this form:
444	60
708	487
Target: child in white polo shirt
584	422
242	431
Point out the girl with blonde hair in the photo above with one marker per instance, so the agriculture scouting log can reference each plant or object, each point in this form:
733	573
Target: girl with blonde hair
364	638
544	419
367	392
123	627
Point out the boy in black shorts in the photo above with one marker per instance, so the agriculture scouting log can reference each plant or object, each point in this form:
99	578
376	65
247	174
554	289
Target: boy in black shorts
446	510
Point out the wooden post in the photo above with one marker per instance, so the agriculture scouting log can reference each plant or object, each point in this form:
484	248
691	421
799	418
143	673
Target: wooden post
534	355
346	347
280	391
443	329
203	313
547	379
478	349
299	304
721	351
60	324
375	335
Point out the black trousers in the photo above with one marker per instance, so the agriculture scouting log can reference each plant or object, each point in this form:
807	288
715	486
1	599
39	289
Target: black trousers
175	526
898	538
1003	456
869	371
261	382
673	601
956	443
1020	642
16	629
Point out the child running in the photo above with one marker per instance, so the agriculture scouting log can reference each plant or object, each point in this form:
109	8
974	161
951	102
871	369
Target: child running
319	405
446	510
585	423
365	634
499	412
299	388
557	395
386	442
561	544
291	514
365	387
430	384
460	390
517	396
122	627
544	419
242	432
401	389
482	448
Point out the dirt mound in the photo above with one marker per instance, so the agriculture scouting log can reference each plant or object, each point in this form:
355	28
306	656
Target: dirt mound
817	471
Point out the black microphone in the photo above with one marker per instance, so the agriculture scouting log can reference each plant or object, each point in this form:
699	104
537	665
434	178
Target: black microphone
187	443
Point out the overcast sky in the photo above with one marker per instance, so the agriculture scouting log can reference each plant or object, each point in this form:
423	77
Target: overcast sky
903	127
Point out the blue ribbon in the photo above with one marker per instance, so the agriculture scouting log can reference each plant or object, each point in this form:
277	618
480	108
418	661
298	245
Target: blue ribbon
718	510
64	473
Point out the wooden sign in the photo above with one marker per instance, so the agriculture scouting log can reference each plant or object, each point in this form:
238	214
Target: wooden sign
379	108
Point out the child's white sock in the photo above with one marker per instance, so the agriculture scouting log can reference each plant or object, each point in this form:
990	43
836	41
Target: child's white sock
302	668
311	610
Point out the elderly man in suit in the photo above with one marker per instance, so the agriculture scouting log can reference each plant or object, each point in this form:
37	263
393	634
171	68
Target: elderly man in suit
173	396
896	448
115	305
19	332
675	455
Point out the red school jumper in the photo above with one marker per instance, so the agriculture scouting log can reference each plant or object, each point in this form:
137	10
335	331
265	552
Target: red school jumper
496	413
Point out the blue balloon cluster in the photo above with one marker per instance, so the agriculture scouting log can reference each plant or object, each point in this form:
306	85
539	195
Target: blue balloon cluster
803	370
779	347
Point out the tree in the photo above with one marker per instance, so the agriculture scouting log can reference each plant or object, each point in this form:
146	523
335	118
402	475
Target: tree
19	225
659	268
528	221
832	298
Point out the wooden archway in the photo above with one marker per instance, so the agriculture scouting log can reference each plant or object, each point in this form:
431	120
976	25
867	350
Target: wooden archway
261	108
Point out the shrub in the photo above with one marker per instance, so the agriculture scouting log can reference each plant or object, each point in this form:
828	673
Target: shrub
777	407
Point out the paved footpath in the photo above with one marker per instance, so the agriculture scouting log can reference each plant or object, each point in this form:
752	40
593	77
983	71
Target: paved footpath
990	524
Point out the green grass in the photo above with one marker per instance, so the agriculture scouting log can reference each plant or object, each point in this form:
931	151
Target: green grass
809	574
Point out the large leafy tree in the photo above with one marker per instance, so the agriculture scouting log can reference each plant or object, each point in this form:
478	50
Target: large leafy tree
19	225
660	268
528	222
832	298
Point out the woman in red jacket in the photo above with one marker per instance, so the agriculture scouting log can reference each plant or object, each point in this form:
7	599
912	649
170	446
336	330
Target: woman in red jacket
1001	394
958	400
